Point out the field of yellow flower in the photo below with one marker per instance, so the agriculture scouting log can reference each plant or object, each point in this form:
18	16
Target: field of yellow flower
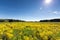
29	30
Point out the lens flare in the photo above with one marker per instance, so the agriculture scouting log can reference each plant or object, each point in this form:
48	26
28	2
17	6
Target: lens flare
48	1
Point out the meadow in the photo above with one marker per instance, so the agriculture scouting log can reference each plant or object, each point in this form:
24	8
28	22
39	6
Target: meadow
29	30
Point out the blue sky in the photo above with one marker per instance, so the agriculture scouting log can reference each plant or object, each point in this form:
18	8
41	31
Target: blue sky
30	10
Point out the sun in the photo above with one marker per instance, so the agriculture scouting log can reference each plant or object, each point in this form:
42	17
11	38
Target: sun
48	1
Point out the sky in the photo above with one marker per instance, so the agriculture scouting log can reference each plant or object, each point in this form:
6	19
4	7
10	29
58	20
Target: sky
29	10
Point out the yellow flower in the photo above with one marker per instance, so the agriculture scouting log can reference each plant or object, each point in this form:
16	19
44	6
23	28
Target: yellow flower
57	39
0	39
45	37
26	38
10	31
42	34
20	33
9	35
1	32
49	33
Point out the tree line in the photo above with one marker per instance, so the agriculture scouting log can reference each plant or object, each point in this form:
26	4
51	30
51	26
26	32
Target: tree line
11	20
51	20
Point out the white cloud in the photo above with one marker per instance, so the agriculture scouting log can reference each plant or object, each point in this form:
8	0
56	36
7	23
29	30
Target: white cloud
55	12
